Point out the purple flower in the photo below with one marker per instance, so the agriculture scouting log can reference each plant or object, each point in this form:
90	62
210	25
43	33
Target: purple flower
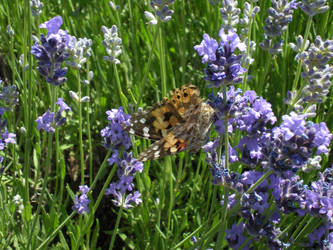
114	134
316	235
235	236
48	121
44	121
63	105
112	44
81	203
292	143
318	199
224	67
280	15
314	7
322	138
162	10
125	201
8	137
207	48
52	52
9	95
53	25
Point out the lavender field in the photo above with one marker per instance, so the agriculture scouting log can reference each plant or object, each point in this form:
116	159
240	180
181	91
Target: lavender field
166	124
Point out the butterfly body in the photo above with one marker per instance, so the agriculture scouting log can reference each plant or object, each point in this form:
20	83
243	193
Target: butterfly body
176	124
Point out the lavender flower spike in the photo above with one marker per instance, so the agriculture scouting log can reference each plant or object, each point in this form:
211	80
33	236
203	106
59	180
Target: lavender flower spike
223	66
207	49
112	44
81	203
52	52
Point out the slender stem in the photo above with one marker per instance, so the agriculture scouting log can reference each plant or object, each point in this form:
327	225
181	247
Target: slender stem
226	165
162	62
80	128
47	168
27	95
115	231
248	48
106	184
120	92
53	234
100	170
261	179
299	66
144	78
89	132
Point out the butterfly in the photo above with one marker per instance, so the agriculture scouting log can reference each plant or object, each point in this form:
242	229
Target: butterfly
181	122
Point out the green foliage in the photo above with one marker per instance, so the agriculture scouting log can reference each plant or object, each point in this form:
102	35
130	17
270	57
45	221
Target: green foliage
178	198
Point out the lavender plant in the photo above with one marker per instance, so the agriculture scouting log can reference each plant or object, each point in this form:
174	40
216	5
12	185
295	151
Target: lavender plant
279	16
116	139
279	153
49	121
51	52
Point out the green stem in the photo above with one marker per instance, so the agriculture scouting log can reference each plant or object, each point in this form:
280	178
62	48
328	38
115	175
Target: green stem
27	95
80	128
226	191
47	169
120	92
261	179
53	234
299	66
144	78
115	231
162	62
89	131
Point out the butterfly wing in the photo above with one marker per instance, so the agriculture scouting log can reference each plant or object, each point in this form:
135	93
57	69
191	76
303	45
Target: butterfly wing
190	135
156	121
176	124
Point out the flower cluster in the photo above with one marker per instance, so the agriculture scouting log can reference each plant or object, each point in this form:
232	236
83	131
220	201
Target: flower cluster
223	65
112	44
81	202
249	12
79	50
314	7
127	169
291	145
280	15
161	8
36	7
52	51
116	139
48	121
9	97
318	198
283	149
230	14
114	135
317	70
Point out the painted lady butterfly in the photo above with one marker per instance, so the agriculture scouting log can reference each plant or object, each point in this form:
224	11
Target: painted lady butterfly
176	124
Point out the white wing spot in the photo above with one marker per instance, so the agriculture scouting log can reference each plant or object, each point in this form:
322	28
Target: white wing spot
144	159
146	132
157	154
132	131
155	147
143	120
